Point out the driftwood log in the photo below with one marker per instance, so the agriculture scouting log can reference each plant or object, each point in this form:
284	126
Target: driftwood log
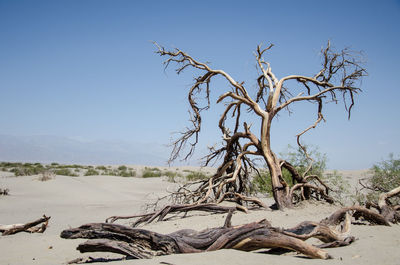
141	243
38	226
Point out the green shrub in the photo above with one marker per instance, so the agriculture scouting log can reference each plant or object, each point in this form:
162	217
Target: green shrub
27	170
110	172
339	187
147	173
92	172
386	176
196	175
10	164
101	168
65	172
122	168
340	191
172	175
152	169
127	173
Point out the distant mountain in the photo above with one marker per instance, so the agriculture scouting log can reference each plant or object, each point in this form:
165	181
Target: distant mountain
59	149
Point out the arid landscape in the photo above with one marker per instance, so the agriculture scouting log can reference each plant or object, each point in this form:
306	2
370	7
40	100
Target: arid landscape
208	132
75	200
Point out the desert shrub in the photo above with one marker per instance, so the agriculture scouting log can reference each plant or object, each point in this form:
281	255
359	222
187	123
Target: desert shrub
261	183
27	170
54	164
171	176
127	173
10	164
148	173
65	172
340	191
196	175
110	172
101	168
385	177
152	168
92	172
122	168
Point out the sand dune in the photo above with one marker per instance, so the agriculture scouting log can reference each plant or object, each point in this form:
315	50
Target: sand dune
73	201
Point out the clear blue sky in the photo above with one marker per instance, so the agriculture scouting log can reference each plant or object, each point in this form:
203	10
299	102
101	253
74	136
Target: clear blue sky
87	69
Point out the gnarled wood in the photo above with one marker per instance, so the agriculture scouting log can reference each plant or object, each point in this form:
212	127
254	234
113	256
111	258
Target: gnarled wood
356	211
389	212
141	243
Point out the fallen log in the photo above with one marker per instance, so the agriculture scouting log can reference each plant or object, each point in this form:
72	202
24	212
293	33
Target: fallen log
31	227
141	243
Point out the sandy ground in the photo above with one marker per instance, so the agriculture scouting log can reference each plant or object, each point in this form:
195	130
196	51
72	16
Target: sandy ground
73	201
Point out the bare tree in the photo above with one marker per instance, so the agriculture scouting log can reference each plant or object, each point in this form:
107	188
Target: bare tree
338	79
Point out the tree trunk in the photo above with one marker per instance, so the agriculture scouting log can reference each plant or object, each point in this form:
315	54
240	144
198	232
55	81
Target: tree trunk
279	191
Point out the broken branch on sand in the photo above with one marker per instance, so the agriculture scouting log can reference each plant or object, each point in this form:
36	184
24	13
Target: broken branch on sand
31	227
181	208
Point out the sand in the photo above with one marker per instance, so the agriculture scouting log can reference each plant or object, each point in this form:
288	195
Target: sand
73	201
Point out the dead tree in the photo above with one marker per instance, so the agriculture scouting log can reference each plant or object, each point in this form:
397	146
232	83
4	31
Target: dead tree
339	77
140	243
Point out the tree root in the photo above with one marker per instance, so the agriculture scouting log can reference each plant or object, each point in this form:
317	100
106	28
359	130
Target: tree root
140	243
31	227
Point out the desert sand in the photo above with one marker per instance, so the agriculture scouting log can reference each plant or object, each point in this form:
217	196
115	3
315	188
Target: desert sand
73	201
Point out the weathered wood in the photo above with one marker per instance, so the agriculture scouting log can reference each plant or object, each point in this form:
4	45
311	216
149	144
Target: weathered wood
357	211
388	211
30	227
141	243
